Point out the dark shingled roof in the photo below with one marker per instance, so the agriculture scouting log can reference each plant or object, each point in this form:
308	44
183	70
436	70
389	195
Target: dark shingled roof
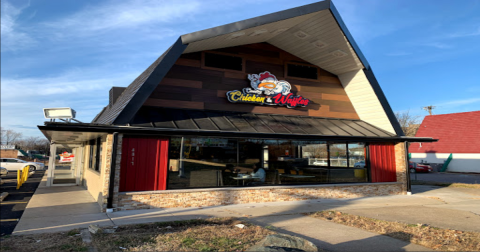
135	95
223	121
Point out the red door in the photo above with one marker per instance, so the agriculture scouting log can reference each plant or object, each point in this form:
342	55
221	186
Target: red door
382	162
144	164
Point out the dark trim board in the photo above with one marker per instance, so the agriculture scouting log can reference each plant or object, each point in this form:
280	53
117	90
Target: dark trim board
368	72
257	21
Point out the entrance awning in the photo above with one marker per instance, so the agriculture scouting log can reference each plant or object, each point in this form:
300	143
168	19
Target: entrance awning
180	122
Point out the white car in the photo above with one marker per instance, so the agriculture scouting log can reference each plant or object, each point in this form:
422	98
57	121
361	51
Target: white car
320	163
3	171
15	164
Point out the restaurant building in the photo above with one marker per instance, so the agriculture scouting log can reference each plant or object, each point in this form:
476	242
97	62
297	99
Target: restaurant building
290	92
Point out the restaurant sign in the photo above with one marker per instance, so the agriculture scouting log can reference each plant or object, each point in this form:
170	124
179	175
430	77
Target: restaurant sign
66	157
267	90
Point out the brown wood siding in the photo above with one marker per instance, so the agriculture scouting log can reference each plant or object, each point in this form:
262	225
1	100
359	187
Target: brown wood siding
189	85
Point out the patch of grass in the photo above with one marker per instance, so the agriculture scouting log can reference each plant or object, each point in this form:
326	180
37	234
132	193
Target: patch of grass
73	232
431	237
270	227
188	241
61	241
216	234
68	247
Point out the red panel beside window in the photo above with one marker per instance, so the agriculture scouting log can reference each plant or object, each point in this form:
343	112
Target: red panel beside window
144	164
382	162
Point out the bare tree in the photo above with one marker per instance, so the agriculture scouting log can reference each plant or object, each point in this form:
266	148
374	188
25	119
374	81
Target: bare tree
409	123
9	136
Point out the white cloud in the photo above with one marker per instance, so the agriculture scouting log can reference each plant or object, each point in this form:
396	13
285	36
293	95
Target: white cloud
86	90
461	102
121	15
397	54
12	36
465	33
438	45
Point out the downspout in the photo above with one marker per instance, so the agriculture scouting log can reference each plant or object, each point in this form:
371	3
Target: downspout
112	171
407	164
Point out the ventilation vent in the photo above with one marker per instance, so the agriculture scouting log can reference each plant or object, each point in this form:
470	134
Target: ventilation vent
280	30
236	35
339	53
301	35
320	44
258	32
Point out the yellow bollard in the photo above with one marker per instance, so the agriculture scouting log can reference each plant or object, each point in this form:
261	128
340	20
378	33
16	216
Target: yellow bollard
19	179
26	169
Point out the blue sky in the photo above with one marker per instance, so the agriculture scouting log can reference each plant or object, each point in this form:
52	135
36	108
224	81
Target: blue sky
57	53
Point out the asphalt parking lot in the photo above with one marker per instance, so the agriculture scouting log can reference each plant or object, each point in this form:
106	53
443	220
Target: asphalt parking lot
12	207
447	177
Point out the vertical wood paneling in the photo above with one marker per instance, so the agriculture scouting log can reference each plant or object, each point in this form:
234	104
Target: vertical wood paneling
382	162
144	164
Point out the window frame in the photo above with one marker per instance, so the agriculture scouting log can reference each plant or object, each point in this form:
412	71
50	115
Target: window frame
95	154
203	66
300	64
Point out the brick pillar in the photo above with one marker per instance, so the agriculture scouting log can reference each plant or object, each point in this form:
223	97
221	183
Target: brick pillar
108	163
118	163
401	166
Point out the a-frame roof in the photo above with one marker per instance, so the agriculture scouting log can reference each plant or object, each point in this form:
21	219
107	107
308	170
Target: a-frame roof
314	32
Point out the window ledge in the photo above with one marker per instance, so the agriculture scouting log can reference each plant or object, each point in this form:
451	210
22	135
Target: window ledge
255	188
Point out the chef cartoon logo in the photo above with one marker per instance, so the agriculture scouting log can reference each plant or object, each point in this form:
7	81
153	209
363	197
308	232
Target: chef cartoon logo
267	90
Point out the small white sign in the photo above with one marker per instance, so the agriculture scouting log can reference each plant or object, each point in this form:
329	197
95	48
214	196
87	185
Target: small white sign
7	147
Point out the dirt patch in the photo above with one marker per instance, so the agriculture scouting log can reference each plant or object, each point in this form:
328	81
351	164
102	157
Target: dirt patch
64	241
216	234
422	234
459	185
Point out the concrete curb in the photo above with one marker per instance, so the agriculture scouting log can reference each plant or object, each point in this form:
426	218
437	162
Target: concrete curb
3	196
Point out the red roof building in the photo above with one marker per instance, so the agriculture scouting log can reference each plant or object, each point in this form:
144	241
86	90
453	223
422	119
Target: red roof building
457	133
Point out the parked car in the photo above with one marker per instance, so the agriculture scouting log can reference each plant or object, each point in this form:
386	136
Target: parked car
360	164
320	163
419	167
3	171
15	164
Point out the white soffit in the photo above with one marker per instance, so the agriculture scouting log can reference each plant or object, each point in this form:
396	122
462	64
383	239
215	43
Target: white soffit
319	26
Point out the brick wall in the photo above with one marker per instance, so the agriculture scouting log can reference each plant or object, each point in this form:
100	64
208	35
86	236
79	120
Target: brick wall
118	162
401	165
227	196
106	168
9	153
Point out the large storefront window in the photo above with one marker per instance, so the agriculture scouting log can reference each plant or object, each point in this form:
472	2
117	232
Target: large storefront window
199	162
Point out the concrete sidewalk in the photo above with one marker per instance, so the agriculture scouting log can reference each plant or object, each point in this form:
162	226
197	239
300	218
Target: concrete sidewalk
63	208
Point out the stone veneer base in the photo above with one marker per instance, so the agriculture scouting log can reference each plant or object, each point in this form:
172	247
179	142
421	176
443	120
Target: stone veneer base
228	196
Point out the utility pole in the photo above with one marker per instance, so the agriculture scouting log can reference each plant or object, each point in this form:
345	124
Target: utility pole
429	109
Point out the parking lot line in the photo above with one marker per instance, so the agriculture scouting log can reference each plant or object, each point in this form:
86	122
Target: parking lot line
13	202
8	220
18	192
